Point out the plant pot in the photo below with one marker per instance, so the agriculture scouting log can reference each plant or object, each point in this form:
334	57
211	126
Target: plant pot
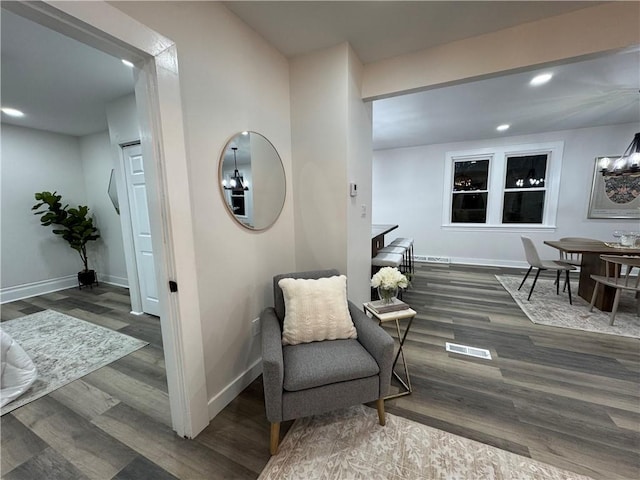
87	278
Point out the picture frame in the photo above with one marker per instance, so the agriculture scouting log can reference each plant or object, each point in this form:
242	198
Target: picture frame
614	196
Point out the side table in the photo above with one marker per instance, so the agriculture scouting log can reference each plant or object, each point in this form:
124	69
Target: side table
407	313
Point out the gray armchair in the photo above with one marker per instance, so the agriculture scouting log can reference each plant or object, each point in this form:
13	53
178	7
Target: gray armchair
312	378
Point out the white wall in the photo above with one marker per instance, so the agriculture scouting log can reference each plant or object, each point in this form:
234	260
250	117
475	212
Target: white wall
319	125
331	134
33	258
408	189
359	161
107	254
231	81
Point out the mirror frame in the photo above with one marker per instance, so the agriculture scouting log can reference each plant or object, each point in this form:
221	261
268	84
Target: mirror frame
222	192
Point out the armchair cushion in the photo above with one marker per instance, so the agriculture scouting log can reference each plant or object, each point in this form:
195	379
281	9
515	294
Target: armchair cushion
315	310
316	364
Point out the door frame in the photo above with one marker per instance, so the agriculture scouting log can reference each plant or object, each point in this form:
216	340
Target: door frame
159	107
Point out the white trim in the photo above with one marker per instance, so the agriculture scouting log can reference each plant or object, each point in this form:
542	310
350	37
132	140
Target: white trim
484	262
231	391
27	290
516	228
159	104
42	287
113	280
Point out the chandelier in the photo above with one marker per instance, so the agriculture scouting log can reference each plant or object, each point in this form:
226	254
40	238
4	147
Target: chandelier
236	182
627	164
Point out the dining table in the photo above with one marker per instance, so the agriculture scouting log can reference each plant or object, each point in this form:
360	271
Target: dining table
592	264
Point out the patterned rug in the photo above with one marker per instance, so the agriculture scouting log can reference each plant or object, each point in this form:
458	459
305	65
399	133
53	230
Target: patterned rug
547	308
64	348
349	444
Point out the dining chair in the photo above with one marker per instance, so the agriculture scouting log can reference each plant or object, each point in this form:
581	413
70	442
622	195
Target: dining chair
534	261
574	259
616	278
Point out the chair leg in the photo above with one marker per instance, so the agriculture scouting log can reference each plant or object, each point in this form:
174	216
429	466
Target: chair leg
275	438
568	285
525	278
557	282
594	296
534	284
616	300
380	407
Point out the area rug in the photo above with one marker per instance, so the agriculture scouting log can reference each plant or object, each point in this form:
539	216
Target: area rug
64	348
547	308
349	444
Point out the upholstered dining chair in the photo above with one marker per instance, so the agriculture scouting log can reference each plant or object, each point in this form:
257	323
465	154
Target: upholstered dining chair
615	277
534	261
303	377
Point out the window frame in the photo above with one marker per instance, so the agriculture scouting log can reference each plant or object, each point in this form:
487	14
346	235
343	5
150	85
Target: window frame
496	186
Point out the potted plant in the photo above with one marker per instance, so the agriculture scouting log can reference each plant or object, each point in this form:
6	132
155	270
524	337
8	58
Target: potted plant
388	280
73	225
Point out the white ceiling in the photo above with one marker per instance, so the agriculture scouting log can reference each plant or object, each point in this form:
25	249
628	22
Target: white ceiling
59	83
63	85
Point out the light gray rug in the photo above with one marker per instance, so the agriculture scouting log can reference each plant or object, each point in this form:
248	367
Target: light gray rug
349	444
64	348
547	308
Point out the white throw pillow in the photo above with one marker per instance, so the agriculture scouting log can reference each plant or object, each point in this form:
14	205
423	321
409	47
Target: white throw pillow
315	310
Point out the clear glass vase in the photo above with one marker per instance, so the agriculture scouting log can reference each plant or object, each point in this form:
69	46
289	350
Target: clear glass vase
387	294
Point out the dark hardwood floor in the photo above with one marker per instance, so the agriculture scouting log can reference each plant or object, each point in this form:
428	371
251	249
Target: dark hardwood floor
564	397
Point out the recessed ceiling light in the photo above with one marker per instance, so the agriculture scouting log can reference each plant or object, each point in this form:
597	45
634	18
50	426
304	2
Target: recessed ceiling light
503	127
127	63
540	79
12	112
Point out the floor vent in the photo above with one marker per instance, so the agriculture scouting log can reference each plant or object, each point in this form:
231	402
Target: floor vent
438	259
419	258
470	351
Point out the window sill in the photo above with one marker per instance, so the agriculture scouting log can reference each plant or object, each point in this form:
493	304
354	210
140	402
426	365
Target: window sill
523	228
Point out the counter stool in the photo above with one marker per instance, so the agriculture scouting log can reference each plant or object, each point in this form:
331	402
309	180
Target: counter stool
405	266
383	259
408	244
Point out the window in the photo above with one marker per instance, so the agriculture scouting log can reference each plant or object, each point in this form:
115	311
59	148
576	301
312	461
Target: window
470	187
512	187
524	189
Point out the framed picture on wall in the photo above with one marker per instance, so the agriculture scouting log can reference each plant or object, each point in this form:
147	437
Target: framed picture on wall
614	196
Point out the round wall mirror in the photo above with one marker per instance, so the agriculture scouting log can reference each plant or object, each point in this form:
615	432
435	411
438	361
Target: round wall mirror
252	180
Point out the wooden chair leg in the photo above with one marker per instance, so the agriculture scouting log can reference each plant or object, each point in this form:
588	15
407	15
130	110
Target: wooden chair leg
275	438
614	309
594	296
380	407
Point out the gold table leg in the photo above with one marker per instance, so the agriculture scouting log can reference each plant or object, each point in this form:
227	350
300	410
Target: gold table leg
406	384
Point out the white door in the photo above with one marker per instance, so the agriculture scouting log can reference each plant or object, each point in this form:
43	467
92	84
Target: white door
134	171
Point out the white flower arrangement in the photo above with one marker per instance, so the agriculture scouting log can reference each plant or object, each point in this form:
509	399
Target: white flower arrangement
389	278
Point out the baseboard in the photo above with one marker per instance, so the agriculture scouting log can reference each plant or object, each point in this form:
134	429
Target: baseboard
113	280
484	262
231	391
18	292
